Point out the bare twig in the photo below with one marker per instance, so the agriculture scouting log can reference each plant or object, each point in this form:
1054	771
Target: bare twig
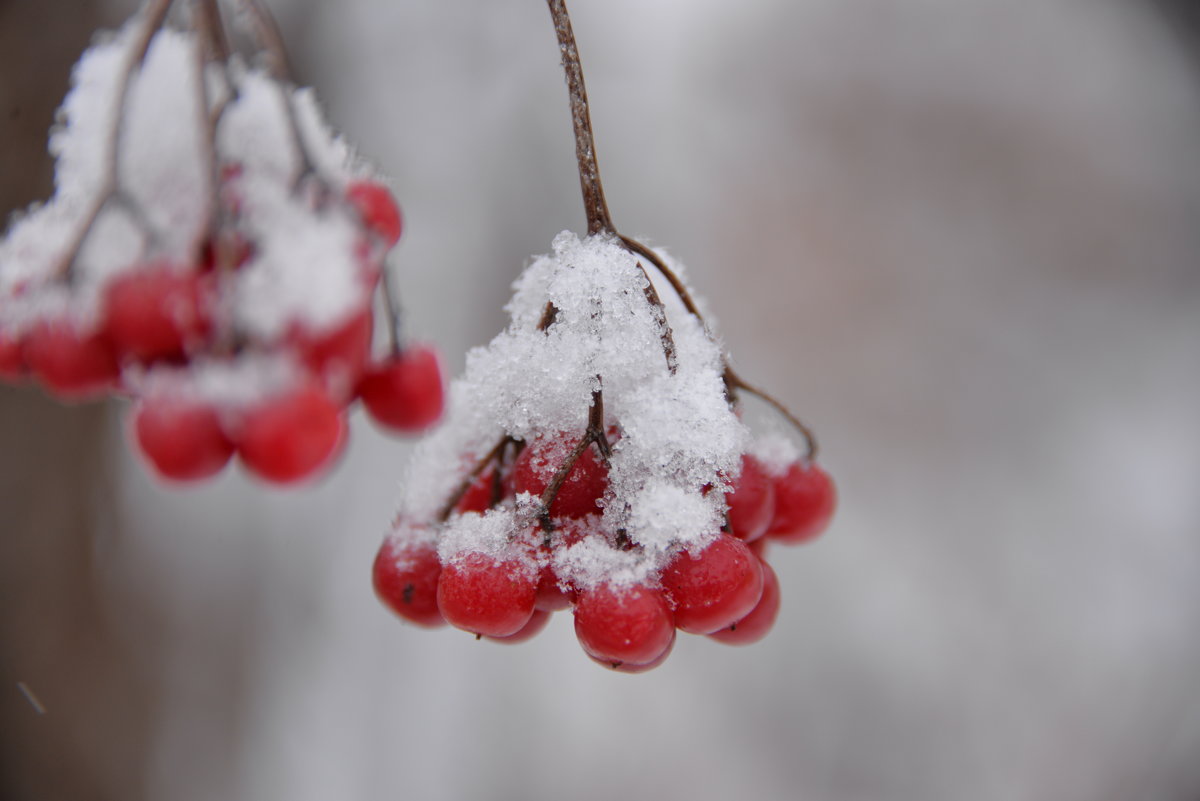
270	39
594	204
734	382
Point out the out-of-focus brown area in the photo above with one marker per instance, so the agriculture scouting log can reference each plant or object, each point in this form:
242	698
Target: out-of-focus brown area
75	693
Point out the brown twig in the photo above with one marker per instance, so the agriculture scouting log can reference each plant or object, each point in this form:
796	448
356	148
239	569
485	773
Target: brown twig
270	39
734	382
594	203
153	13
593	434
494	455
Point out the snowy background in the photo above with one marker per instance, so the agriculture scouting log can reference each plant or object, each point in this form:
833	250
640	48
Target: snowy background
958	238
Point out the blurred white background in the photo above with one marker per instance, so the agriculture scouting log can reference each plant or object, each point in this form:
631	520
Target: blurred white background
958	238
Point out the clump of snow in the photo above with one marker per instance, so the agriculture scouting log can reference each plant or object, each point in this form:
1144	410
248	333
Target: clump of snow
676	443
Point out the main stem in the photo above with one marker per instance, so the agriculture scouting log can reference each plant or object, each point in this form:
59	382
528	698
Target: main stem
594	204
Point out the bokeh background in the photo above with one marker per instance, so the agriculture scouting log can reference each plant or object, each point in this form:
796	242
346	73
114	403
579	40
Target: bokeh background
960	238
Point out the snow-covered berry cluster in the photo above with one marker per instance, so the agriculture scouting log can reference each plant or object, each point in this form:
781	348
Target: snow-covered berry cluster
592	459
213	250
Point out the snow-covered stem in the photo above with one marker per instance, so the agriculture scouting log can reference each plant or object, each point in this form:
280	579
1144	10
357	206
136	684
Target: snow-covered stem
153	13
594	204
270	39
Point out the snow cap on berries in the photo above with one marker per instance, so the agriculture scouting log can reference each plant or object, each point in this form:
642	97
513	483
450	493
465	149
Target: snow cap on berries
675	434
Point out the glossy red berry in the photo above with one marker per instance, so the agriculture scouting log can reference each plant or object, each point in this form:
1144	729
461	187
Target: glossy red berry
405	392
754	626
585	484
288	437
378	209
12	361
624	625
537	622
182	439
405	576
805	498
153	312
481	594
480	495
629	667
71	363
715	588
751	502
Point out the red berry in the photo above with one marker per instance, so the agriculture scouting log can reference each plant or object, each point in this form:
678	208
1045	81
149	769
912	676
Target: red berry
754	626
716	588
405	392
629	667
337	356
585	484
71	363
288	437
550	596
481	493
12	360
182	439
624	625
805	498
487	596
378	209
154	312
405	576
752	501
536	623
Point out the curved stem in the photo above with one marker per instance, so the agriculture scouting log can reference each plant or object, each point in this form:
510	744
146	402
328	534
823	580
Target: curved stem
391	311
596	208
270	39
153	13
734	382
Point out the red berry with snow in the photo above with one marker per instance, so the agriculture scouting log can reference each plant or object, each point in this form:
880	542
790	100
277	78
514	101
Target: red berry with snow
71	363
405	576
619	625
805	499
155	312
486	595
405	392
182	439
751	502
377	208
337	356
289	437
585	483
756	625
715	588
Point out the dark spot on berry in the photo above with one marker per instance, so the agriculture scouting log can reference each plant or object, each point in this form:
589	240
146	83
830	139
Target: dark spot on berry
407	595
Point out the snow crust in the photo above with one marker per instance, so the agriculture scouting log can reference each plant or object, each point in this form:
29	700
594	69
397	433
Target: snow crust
676	444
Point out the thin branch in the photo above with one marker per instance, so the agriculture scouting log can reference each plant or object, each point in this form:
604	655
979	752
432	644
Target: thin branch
734	382
270	39
593	434
153	13
494	454
594	205
391	310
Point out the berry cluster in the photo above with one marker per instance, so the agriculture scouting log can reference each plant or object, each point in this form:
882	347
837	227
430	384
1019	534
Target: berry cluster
594	458
212	250
651	518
